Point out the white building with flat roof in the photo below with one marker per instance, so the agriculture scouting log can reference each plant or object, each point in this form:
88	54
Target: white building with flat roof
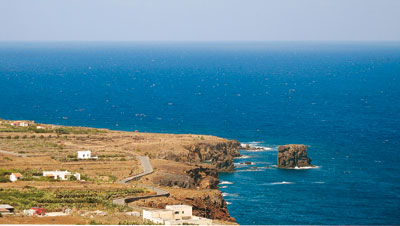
62	175
84	154
174	215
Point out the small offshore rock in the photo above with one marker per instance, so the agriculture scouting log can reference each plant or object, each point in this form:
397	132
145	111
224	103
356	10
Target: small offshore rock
293	155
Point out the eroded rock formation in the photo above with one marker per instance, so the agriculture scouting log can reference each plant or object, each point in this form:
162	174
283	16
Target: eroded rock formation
221	154
293	155
204	178
210	204
173	180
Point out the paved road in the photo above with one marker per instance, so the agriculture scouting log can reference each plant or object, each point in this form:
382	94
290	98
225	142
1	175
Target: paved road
147	169
12	153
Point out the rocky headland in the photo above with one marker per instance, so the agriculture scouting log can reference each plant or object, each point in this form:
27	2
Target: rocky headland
186	165
293	155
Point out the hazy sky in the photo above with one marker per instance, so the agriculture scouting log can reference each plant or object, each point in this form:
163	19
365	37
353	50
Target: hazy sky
199	20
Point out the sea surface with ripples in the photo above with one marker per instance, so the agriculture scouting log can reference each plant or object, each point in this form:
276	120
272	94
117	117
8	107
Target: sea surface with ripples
341	99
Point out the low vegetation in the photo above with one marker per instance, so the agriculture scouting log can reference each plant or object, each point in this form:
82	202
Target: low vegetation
53	200
6	127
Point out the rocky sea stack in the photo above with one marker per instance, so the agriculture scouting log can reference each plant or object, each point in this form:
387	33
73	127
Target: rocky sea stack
293	155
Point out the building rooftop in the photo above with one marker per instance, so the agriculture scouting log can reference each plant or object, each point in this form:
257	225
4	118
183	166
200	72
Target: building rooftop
177	206
17	174
6	206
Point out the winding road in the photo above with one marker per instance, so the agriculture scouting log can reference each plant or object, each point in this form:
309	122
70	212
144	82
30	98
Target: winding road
147	169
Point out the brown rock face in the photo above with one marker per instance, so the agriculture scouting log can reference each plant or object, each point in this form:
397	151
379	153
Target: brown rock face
204	178
209	204
221	154
292	155
173	180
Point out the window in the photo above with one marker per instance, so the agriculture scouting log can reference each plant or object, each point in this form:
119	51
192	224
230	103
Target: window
176	212
183	212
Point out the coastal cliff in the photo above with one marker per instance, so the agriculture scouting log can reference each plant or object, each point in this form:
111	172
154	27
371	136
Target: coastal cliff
185	165
218	153
196	169
293	155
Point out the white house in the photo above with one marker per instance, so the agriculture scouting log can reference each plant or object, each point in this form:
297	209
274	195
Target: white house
84	154
62	175
174	215
20	123
15	177
6	209
180	211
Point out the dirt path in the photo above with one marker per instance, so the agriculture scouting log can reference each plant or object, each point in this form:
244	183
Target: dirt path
13	153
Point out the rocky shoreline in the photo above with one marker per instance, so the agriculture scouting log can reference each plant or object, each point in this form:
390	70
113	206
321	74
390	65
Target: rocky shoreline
203	161
185	165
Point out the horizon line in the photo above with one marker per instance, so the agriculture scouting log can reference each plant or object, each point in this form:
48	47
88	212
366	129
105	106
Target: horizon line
199	41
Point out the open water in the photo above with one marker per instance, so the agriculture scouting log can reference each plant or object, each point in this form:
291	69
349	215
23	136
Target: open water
342	99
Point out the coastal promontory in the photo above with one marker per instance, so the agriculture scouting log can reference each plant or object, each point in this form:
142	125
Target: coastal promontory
184	165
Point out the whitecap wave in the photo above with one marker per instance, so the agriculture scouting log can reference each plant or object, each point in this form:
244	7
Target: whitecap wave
245	163
225	182
228	194
260	149
282	182
318	182
228	203
243	157
306	167
256	147
223	187
250	170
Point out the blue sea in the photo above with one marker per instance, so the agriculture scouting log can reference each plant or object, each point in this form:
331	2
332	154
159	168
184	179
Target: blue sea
342	99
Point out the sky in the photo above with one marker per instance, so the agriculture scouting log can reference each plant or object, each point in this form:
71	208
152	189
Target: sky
199	20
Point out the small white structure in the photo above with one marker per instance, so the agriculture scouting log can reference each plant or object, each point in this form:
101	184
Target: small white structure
6	209
29	212
20	123
62	175
174	215
84	154
15	176
181	212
